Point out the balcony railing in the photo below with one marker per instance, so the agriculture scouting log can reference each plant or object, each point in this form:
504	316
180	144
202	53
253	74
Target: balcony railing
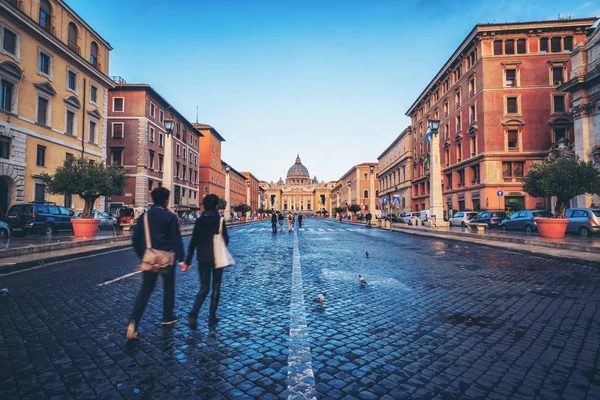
95	63
73	46
513	149
475	182
48	27
508	180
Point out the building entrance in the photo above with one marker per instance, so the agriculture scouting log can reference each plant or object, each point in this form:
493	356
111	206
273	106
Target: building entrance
5	193
514	203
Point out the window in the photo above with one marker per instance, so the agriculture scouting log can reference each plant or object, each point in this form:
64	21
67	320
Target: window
366	194
177	170
512	106
93	94
94	55
471	87
42	111
178	150
151	160
151	134
555	44
458	124
518	167
10	42
446	108
161	139
71	80
458	152
184	172
559	103
513	139
92	132
472	114
40	158
70	123
509	46
184	153
522	46
4	147
6	95
507	169
45	19
117	130
544	45
510	78
473	145
40	196
457	98
559	133
117	157
497	47
72	37
160	162
161	116
150	185
568	43
44	63
118	104
152	109
67	202
557	76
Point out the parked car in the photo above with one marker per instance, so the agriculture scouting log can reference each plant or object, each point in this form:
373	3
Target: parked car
106	221
493	219
44	218
407	218
523	220
462	218
584	221
4	230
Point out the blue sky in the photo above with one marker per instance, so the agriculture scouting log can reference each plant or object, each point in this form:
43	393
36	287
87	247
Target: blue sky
330	80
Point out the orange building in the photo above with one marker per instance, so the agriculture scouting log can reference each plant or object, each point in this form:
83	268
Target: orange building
252	192
211	170
354	187
499	113
238	187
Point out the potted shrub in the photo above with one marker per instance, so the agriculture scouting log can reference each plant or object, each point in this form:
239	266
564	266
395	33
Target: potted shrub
90	181
563	177
354	208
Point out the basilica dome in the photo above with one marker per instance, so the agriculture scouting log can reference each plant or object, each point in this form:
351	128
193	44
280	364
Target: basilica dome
298	170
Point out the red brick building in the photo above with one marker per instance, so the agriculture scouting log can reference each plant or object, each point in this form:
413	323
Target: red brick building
211	170
499	113
136	140
253	190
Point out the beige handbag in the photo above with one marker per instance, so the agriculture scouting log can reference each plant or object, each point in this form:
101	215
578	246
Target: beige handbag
155	260
222	256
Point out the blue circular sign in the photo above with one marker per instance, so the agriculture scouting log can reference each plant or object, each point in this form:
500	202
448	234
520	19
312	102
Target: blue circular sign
500	193
384	200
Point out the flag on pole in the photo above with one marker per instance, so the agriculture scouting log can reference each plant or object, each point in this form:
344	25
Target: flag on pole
428	136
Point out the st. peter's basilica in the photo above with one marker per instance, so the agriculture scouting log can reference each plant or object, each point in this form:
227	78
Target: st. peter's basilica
299	193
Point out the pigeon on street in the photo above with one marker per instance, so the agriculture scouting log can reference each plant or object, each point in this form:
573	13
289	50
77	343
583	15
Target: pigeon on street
367	254
320	298
361	280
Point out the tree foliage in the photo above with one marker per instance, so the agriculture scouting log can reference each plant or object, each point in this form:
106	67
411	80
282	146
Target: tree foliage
89	180
222	204
563	177
354	208
339	210
242	208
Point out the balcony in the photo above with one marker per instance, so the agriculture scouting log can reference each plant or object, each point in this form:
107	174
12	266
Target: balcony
73	46
95	63
18	4
48	27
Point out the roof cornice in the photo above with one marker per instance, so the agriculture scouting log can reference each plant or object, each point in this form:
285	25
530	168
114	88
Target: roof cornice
406	131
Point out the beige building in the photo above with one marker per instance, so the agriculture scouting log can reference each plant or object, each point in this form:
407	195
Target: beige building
584	84
299	193
53	73
356	187
395	174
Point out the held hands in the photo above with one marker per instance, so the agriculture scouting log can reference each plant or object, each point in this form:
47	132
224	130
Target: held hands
184	267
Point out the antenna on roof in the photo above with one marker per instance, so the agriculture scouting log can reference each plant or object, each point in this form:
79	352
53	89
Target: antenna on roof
196	114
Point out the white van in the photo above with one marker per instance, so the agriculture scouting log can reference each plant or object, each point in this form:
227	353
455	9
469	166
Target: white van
424	215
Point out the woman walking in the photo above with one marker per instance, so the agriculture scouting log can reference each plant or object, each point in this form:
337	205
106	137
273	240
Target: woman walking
202	240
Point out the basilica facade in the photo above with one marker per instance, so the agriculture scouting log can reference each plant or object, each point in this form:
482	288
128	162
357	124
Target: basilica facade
299	193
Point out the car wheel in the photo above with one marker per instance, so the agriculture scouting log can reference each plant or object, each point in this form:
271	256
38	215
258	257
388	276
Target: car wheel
3	234
584	232
528	228
48	230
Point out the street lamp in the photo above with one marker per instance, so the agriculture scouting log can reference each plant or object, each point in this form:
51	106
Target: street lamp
227	194
372	189
436	208
348	200
248	199
168	160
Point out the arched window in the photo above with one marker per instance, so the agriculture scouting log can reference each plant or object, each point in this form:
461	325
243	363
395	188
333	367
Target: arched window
72	36
46	15
94	54
366	194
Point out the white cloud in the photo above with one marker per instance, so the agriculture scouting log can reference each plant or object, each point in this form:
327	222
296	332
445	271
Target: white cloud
585	5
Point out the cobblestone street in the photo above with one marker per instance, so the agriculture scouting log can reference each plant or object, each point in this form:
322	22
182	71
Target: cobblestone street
436	319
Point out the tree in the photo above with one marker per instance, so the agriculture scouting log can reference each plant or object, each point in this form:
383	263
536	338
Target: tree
87	179
563	177
339	210
222	204
242	208
354	208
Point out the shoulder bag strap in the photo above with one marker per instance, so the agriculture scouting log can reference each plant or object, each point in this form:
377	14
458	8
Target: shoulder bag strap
220	224
147	231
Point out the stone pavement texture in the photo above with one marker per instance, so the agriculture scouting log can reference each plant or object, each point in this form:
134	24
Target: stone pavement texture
436	319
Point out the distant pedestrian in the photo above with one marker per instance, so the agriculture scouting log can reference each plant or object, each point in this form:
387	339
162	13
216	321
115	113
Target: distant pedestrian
274	222
300	219
340	217
368	218
202	243
164	235
290	219
280	219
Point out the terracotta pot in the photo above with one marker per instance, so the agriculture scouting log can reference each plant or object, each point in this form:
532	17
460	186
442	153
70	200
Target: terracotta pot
85	227
354	218
553	228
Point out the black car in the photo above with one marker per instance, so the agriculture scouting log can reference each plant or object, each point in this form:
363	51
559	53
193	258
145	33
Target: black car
493	219
43	218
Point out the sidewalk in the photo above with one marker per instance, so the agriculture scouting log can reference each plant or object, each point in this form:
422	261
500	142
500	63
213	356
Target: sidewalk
569	248
17	255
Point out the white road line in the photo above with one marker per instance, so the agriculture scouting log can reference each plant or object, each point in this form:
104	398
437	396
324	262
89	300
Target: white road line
299	355
119	278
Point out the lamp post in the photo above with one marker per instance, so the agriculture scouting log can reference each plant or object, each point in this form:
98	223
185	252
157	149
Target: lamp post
227	194
248	199
168	160
349	194
372	190
436	208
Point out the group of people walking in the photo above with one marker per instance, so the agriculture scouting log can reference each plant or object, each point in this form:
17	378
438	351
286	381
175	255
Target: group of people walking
164	235
278	218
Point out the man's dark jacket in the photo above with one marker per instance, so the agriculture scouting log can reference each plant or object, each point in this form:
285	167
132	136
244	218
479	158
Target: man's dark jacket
274	218
202	238
164	233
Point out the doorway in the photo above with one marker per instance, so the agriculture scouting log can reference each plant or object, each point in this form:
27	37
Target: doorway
5	193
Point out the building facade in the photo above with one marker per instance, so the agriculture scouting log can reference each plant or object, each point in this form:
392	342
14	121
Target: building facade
584	85
212	170
54	90
252	191
500	112
356	187
299	193
395	174
137	140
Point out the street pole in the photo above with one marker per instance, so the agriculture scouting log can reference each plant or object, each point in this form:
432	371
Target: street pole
168	158
249	213
372	190
227	195
436	208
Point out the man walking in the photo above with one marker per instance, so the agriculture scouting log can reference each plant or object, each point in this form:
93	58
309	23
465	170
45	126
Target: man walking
300	218
274	222
368	218
164	235
290	219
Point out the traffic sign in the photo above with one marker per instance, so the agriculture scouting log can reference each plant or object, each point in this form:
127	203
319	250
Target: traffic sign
500	193
384	200
396	200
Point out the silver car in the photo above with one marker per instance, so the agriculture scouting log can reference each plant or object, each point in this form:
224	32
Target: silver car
584	221
407	219
462	218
